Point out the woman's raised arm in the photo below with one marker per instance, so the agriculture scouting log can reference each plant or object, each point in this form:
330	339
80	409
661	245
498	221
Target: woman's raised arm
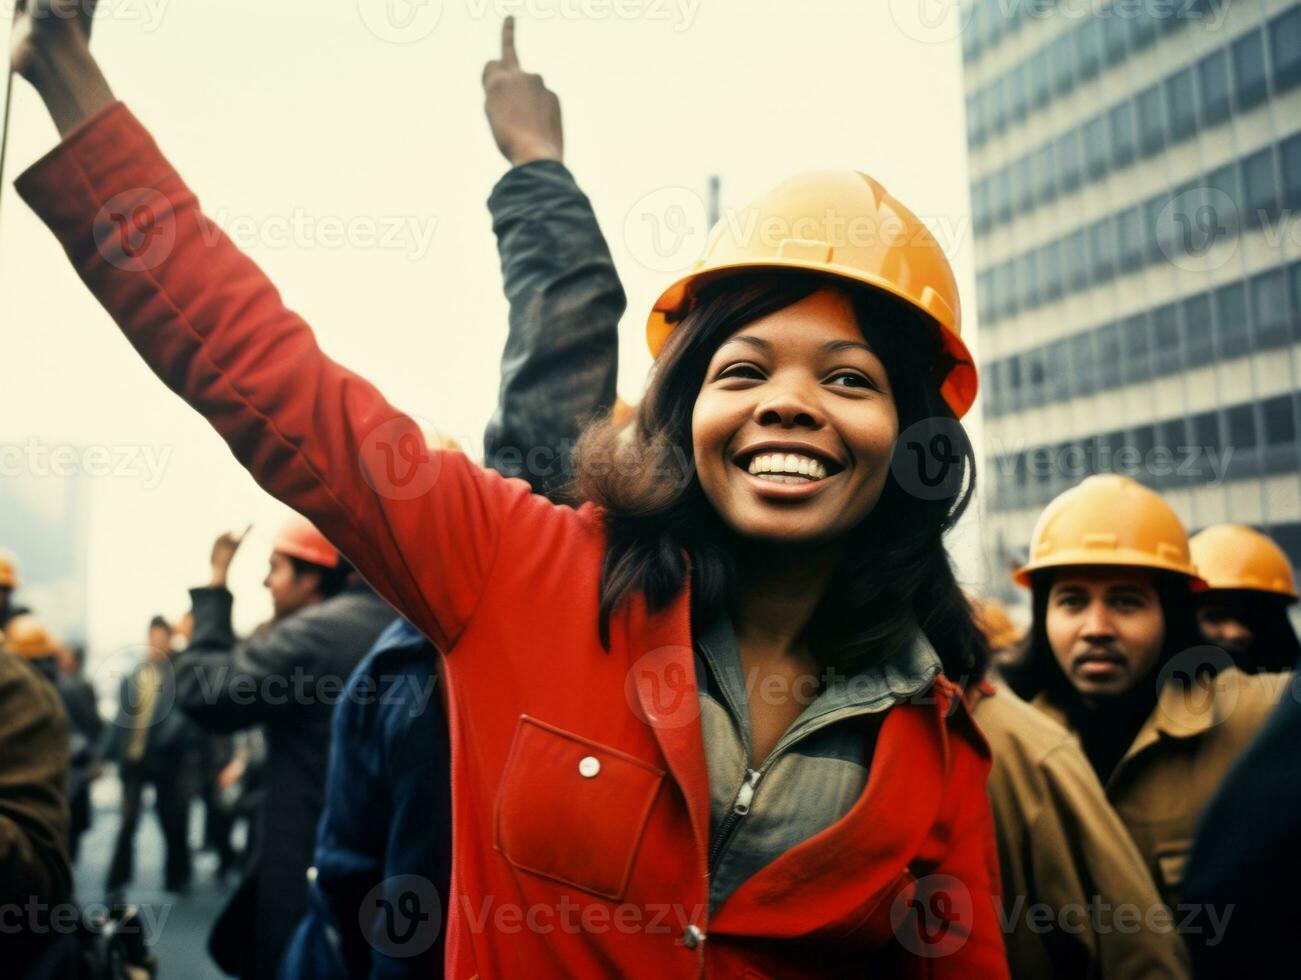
421	526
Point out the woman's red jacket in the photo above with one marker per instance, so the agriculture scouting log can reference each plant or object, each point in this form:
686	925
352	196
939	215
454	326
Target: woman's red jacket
581	801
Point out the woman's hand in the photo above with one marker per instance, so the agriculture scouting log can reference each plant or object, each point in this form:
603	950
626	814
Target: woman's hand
42	27
523	113
50	47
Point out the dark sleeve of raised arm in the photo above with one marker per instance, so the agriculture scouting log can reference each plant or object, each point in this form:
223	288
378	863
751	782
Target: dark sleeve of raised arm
561	358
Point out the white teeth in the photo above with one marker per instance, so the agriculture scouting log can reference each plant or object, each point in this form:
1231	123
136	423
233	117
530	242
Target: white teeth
788	464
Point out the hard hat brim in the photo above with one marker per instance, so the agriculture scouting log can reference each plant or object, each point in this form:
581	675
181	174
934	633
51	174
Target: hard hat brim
1079	558
959	387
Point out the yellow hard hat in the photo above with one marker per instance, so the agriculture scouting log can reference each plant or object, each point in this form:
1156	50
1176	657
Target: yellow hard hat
8	570
1231	556
26	637
1110	520
844	224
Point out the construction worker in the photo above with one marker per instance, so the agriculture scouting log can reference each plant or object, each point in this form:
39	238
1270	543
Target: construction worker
387	816
1116	657
594	654
286	678
153	745
35	875
1244	610
9	580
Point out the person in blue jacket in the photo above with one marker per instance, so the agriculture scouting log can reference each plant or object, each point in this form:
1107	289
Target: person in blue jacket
381	879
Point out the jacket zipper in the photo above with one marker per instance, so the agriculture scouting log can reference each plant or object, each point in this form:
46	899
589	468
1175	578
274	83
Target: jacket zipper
745	795
740	807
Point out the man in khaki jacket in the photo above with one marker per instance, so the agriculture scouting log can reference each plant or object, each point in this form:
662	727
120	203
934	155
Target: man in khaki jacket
1067	864
1116	658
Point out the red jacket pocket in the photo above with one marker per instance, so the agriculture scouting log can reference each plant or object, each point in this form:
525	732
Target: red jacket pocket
573	810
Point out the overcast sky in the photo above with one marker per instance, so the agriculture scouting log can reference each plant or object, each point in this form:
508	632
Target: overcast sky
362	120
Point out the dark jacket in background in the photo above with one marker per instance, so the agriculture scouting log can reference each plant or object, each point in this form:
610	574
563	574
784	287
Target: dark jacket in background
387	815
1246	857
33	806
561	360
286	678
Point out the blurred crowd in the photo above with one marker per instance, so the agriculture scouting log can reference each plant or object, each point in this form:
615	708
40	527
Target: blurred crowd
1122	721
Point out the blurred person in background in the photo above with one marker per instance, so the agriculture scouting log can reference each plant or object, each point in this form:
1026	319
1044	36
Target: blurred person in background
388	806
82	706
35	873
153	744
9	581
1247	856
286	679
213	753
1116	656
1251	585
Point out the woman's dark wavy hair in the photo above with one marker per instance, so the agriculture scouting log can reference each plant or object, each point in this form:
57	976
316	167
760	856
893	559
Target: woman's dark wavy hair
1039	670
895	574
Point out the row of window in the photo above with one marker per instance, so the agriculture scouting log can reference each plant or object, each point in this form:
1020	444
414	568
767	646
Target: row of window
1067	61
1179	225
1138	22
1240	441
1232	78
988	22
1257	314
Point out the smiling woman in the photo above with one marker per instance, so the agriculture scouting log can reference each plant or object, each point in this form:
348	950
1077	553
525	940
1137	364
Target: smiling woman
627	770
790	372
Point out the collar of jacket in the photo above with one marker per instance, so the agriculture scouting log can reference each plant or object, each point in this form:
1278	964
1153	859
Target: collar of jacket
902	809
903	674
1186	707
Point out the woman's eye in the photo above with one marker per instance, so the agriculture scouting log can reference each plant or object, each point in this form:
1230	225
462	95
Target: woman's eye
851	379
740	371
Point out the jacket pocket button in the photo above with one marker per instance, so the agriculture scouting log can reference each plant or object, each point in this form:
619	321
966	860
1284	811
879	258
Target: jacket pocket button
589	766
692	937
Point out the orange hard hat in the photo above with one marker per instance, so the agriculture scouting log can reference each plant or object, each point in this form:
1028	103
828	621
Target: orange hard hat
993	620
8	570
843	224
299	538
26	637
1109	520
1231	556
